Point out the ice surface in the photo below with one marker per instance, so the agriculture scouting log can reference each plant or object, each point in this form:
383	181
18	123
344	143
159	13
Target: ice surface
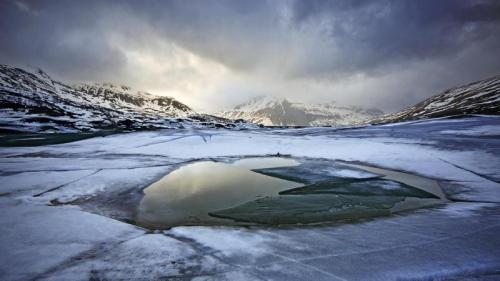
37	238
374	187
487	130
317	170
392	248
294	209
65	242
147	257
109	181
35	182
265	162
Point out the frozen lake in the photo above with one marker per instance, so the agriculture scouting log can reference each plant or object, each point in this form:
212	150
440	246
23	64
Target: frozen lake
410	201
274	191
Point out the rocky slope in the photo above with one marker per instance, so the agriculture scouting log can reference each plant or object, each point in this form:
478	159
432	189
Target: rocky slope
271	111
482	97
31	101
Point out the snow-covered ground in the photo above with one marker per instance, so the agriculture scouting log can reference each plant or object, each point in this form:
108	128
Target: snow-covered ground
41	238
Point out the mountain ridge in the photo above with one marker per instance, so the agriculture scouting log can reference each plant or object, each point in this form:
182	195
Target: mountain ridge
274	111
34	102
479	97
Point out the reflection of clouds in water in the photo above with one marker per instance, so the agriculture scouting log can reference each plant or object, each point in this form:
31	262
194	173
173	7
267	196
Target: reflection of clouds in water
196	189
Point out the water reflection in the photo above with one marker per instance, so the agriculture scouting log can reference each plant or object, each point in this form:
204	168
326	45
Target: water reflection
188	194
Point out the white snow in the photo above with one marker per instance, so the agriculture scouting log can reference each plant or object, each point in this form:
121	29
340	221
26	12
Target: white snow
465	210
38	181
476	131
105	180
480	96
156	254
234	239
270	162
348	173
263	109
36	238
38	241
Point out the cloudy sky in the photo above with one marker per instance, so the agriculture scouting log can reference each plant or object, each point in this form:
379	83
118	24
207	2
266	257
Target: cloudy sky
214	54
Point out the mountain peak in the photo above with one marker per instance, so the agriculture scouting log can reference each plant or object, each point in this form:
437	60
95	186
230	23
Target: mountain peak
261	101
279	111
32	99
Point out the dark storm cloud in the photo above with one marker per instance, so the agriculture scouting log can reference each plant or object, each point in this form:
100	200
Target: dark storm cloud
60	36
372	34
288	41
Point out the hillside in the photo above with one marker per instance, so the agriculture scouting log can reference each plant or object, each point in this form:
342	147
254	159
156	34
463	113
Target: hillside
482	97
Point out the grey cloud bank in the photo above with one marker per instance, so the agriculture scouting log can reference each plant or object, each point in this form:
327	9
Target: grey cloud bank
211	54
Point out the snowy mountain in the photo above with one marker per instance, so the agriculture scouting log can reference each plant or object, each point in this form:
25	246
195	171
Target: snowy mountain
125	99
34	102
272	111
482	97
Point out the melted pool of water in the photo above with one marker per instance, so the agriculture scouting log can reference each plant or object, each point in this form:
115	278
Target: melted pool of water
280	191
187	195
